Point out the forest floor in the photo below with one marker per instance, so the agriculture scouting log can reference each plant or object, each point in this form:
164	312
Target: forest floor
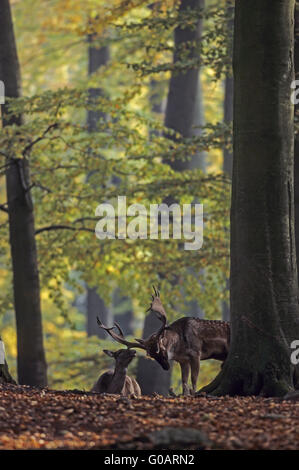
32	418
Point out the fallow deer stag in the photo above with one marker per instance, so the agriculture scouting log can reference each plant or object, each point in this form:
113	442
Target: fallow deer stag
186	341
117	381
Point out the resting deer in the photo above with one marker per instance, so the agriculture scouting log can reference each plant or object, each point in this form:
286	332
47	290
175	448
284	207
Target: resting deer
117	381
186	341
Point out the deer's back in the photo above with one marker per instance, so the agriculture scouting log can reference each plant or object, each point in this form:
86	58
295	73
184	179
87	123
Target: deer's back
210	337
103	385
103	382
200	328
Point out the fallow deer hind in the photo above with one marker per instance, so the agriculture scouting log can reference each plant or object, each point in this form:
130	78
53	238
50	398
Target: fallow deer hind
117	381
186	341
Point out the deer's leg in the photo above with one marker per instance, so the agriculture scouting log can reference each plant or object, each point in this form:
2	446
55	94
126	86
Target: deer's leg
195	365
185	369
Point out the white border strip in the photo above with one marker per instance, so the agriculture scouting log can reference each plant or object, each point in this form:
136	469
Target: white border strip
2	353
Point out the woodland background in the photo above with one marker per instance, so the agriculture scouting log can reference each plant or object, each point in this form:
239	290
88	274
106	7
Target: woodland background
119	98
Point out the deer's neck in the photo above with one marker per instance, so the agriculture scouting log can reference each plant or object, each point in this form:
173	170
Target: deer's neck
118	380
171	343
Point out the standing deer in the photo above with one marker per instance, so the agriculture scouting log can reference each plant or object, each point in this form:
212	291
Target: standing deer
186	341
117	381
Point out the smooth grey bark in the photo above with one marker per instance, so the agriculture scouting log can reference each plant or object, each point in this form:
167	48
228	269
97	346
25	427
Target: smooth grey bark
199	160
32	366
184	110
95	306
150	375
183	86
126	318
98	56
264	286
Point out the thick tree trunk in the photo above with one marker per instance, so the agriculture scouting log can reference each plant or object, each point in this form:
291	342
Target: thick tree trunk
296	150
264	289
31	358
95	305
150	375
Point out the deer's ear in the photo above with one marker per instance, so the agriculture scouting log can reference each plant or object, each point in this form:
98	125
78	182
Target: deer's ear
109	353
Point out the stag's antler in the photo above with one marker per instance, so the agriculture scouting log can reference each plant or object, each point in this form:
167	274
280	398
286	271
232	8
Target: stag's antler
157	307
157	293
119	337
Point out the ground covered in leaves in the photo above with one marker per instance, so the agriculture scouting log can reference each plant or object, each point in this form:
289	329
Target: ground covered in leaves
47	419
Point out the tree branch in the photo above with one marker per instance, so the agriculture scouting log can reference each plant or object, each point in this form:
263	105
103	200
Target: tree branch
63	227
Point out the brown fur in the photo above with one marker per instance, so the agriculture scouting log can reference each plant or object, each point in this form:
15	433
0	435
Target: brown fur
117	381
187	341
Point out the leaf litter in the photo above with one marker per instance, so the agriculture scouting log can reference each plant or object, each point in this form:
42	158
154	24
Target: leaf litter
33	418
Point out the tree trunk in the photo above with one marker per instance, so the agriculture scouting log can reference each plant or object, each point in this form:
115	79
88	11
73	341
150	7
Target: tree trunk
95	305
150	375
264	289
229	94
296	150
183	86
199	159
123	312
31	358
228	119
5	376
180	116
184	108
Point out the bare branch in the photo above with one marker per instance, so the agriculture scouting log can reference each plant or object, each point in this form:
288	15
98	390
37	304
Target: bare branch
63	227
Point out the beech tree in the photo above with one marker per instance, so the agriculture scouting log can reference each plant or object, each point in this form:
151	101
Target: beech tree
264	287
296	141
98	56
180	116
70	255
31	358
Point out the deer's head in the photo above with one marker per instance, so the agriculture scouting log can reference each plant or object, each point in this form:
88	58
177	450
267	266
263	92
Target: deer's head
122	357
154	344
